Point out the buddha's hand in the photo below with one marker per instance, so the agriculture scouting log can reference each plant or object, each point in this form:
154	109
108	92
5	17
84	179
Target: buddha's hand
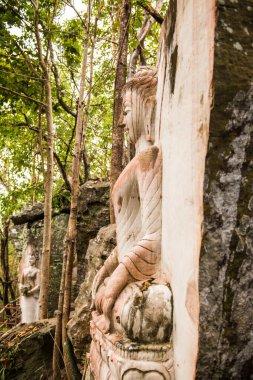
107	269
98	280
113	287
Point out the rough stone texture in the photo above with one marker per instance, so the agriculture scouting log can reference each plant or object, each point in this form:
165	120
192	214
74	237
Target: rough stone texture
93	213
226	285
79	326
184	100
35	212
26	351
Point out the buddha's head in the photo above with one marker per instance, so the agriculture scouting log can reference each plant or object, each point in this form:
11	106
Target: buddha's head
139	104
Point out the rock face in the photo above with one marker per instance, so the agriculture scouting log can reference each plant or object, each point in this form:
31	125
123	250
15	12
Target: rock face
205	113
26	351
226	265
27	233
79	326
92	214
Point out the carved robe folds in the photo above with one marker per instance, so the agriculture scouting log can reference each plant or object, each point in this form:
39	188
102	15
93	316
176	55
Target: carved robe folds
131	327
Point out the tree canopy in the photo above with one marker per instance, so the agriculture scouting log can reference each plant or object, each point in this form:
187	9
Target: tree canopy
23	133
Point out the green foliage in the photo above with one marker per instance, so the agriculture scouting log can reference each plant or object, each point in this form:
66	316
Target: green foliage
21	81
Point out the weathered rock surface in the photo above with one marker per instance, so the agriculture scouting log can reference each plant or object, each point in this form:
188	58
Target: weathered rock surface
226	265
31	214
26	351
93	213
79	326
224	335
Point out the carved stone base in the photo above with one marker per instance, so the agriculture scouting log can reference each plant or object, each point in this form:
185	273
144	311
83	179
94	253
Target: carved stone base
115	358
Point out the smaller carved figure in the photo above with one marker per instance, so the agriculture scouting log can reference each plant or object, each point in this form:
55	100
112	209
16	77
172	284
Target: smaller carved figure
29	289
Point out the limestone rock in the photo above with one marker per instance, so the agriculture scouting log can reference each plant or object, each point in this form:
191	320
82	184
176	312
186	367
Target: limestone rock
26	351
92	214
226	265
31	214
79	325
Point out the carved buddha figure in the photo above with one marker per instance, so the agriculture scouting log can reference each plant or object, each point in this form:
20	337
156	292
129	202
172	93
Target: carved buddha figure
127	295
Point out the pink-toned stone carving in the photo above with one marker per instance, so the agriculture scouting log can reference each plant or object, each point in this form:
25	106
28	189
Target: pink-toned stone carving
132	322
29	289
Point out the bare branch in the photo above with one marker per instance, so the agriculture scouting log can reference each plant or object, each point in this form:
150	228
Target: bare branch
27	60
142	34
56	157
37	35
86	115
23	96
152	11
57	83
67	2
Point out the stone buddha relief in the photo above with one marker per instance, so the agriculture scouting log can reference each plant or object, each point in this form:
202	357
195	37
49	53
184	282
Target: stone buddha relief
132	322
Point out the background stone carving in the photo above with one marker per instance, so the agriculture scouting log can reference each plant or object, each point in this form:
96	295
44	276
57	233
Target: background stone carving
93	213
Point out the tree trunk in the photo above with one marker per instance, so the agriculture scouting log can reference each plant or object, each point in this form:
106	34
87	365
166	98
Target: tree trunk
120	80
66	282
46	249
87	107
6	280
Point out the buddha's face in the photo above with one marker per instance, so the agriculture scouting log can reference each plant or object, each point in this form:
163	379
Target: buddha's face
137	116
132	114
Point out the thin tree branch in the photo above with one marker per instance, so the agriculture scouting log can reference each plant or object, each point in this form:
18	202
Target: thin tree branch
86	115
69	143
63	171
57	83
23	96
40	135
76	11
56	157
4	184
142	34
152	11
38	39
27	60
